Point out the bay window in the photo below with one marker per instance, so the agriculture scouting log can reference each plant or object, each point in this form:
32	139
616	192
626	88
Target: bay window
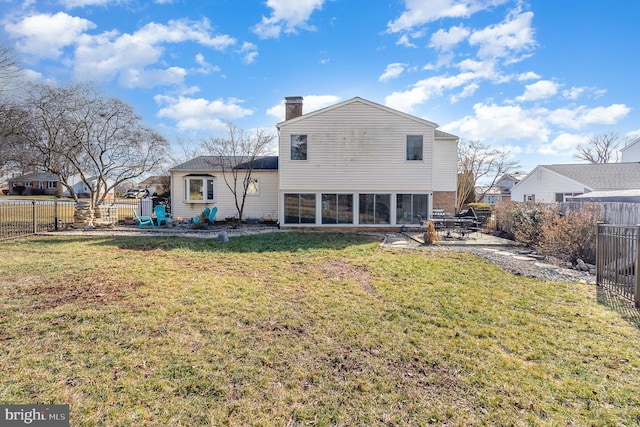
199	189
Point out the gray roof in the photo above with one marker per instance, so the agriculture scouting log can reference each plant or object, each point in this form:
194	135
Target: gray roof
601	176
611	196
441	134
212	163
36	176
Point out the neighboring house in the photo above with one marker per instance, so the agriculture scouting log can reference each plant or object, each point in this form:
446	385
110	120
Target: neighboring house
156	184
199	183
631	151
501	190
82	190
35	183
560	183
356	163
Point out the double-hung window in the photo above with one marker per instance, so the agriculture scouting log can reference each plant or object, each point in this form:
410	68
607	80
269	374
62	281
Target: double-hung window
199	189
415	150
298	147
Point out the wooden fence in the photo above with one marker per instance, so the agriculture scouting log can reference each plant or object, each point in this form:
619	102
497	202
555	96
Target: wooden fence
611	212
618	260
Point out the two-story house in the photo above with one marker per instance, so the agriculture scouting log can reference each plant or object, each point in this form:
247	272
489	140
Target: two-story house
353	164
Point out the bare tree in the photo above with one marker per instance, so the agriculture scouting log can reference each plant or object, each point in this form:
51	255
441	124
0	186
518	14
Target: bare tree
237	155
601	148
9	70
81	136
184	150
480	162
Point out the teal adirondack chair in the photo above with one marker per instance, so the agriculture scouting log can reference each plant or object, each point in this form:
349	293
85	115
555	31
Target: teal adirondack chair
204	214
161	214
212	214
143	220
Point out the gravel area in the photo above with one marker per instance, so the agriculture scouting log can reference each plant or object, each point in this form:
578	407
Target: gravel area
515	259
518	262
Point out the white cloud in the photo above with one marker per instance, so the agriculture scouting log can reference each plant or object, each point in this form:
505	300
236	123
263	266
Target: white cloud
633	135
205	68
200	113
426	89
404	41
512	36
392	71
420	12
574	92
446	40
108	55
44	35
581	116
250	52
493	122
563	144
287	16
468	91
310	103
154	77
529	75
539	90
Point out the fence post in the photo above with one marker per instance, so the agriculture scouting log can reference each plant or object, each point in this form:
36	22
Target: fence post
599	253
35	223
55	215
636	293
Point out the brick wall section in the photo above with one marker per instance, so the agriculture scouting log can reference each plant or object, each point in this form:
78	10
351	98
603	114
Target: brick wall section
445	200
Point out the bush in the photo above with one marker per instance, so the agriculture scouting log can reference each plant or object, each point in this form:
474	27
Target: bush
18	189
572	235
520	221
550	231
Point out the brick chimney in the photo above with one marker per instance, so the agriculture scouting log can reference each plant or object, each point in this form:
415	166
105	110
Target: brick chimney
293	107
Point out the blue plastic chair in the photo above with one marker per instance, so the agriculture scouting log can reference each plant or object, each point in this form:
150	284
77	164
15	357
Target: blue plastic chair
161	214
212	214
204	214
143	220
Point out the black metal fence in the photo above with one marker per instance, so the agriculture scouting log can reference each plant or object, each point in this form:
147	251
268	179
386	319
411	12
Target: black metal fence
618	260
22	218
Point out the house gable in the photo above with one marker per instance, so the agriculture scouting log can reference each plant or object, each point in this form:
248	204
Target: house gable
358	150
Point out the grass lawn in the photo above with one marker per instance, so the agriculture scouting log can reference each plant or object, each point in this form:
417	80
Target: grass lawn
303	329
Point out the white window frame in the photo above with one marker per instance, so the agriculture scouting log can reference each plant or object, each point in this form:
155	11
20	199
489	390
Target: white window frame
205	180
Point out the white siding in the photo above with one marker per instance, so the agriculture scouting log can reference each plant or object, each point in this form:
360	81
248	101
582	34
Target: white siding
356	147
544	184
445	161
631	153
264	205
